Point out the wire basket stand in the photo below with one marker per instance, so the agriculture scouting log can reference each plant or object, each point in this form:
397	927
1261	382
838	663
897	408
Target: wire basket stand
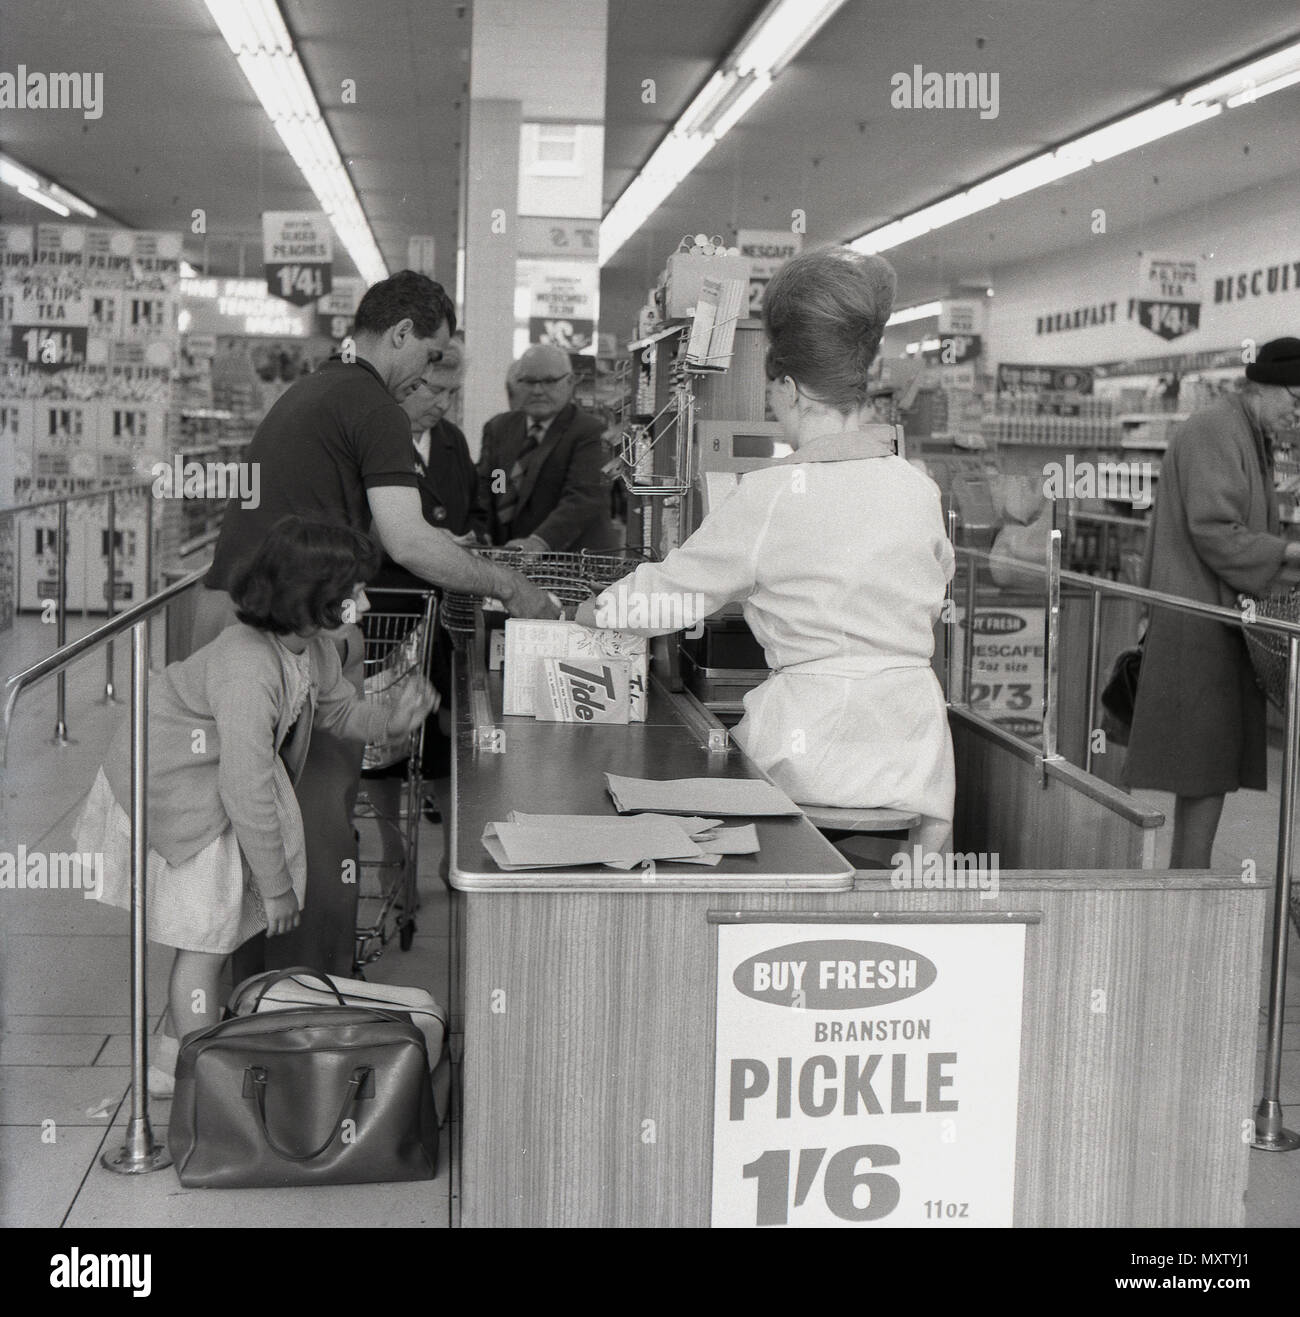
572	577
397	646
1268	649
1269	655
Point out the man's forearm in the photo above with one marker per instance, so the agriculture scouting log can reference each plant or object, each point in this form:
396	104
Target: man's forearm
434	556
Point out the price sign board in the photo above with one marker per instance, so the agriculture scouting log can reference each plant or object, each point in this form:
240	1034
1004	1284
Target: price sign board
51	316
867	1074
298	254
560	239
1169	295
767	251
563	298
1007	682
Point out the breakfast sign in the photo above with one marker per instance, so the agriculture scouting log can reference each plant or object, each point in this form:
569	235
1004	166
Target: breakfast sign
867	1074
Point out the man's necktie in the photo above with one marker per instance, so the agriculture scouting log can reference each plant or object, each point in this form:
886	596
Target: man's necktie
508	503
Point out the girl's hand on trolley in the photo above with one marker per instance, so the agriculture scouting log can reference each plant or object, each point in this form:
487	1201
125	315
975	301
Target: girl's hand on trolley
282	914
415	701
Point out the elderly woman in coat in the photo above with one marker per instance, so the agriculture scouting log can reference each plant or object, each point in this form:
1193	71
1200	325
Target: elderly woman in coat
1198	719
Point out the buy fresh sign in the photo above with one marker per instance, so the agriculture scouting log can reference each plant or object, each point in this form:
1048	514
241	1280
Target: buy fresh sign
867	1081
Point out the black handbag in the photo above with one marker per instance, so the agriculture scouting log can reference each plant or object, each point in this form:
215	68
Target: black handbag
316	1095
1119	694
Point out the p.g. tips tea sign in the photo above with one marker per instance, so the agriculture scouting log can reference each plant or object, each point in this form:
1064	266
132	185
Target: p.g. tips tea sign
867	1080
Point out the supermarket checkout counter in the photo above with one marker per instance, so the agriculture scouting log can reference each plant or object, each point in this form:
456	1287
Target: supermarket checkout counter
1035	1048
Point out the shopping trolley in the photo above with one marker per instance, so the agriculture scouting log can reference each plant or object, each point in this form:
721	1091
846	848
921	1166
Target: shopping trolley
572	577
398	638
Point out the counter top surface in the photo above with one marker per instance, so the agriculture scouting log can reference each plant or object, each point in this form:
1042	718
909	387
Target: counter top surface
559	768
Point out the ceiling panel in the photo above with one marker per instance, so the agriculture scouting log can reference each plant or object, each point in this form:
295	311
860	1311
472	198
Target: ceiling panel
182	129
826	140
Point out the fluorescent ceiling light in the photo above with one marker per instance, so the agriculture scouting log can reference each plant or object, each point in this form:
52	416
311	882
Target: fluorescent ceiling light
1252	94
42	190
1254	79
255	32
1240	86
71	200
41	199
15	175
905	315
779	33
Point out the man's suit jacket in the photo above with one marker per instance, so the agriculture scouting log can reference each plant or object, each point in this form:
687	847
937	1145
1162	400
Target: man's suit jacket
564	494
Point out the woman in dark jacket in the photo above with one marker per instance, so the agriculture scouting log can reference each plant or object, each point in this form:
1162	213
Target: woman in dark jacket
448	485
1198	720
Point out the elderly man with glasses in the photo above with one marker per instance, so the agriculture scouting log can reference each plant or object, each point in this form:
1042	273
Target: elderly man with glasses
541	477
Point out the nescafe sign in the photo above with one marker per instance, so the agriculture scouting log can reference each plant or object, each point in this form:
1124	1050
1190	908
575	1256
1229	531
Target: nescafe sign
837	975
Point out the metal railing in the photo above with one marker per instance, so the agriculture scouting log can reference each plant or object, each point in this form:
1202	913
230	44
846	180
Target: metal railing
140	1152
1270	1134
61	501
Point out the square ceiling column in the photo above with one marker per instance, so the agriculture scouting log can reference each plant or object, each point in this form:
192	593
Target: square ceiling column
541	63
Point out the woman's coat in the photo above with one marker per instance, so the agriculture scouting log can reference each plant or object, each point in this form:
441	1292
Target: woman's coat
1198	721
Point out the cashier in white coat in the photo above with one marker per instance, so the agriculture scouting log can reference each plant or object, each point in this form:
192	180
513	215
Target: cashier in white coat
840	558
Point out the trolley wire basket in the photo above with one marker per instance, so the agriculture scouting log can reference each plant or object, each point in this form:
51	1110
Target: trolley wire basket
398	640
1269	649
572	577
1269	654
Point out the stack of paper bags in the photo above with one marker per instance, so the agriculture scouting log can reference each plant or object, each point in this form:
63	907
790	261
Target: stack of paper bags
727	796
565	841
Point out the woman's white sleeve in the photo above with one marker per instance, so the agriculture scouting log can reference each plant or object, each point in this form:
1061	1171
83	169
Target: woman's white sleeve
715	566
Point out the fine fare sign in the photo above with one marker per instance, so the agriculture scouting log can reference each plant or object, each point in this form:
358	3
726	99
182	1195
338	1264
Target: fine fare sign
867	1075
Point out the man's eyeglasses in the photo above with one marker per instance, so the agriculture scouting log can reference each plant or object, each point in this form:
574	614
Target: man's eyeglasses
442	390
548	381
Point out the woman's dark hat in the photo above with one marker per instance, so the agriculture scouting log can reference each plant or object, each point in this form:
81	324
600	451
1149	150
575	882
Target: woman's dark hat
1278	363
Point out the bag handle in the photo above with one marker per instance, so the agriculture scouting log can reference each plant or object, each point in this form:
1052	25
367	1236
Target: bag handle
258	1076
271	977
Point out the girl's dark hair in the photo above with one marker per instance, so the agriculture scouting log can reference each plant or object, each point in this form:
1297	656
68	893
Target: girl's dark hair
300	577
824	312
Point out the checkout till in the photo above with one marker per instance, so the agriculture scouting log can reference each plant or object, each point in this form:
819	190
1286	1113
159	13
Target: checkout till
682	1005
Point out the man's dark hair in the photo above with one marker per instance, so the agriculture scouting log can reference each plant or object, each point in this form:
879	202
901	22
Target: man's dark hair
298	580
406	296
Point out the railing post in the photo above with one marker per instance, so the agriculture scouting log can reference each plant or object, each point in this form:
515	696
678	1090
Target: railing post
1270	1134
1051	699
968	645
61	625
140	1152
148	544
950	616
110	696
1094	675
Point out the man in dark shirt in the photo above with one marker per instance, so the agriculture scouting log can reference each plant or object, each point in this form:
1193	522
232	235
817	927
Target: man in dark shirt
337	447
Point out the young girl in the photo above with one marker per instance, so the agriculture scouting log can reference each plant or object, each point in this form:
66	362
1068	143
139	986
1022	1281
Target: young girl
228	732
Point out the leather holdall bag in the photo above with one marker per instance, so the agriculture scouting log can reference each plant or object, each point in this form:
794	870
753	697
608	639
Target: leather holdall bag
315	1095
278	990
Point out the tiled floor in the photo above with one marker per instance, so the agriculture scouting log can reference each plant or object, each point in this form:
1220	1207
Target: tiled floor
64	966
